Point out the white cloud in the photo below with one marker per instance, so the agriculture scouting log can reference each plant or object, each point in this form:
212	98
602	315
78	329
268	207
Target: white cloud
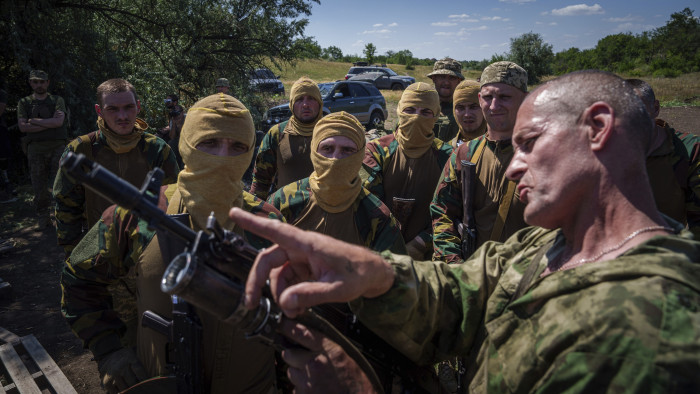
484	46
382	31
471	20
377	24
516	1
443	24
359	43
628	18
538	23
494	18
462	16
625	27
393	24
445	33
578	9
553	23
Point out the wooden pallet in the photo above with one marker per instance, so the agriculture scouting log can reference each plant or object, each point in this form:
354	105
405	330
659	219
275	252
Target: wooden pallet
26	368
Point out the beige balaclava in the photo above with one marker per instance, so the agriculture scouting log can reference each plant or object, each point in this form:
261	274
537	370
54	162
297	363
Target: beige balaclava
468	91
122	143
303	87
336	183
415	133
209	182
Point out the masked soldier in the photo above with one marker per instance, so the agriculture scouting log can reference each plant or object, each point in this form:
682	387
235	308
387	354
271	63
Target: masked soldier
468	114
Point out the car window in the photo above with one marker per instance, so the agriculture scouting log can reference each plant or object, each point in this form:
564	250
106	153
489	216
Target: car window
342	88
390	72
358	91
325	88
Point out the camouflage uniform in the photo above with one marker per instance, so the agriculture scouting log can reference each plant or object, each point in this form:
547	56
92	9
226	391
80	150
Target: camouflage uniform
630	324
446	208
280	167
74	203
381	155
374	224
44	147
120	244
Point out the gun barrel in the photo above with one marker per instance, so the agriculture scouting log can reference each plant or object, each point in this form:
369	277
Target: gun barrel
122	193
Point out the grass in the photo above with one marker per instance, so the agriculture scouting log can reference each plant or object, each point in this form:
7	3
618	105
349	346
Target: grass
681	91
19	214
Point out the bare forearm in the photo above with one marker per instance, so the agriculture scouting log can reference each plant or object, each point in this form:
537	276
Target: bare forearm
26	127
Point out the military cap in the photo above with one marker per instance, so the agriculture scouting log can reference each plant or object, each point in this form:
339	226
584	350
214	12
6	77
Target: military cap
39	74
447	66
505	72
222	82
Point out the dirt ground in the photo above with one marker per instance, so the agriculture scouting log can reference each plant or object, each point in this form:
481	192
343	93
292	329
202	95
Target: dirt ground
33	267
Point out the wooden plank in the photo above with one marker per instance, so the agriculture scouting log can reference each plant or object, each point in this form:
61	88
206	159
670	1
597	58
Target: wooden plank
11	386
53	374
18	372
7	336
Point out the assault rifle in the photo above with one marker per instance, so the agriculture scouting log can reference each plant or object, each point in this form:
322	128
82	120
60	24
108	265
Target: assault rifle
467	229
211	272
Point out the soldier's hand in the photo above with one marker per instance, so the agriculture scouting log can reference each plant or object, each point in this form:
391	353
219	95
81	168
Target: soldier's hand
307	268
323	367
120	370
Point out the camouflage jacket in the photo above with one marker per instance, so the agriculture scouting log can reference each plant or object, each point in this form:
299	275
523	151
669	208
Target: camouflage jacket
377	227
276	166
685	159
28	108
107	253
630	324
446	127
380	151
73	202
446	208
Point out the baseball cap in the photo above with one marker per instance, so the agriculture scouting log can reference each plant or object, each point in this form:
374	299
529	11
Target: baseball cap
505	72
447	66
39	74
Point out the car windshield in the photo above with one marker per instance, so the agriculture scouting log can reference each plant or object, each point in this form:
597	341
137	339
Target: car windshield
265	74
325	88
391	72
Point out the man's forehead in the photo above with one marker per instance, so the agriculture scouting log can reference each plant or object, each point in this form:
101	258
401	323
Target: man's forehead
118	98
498	87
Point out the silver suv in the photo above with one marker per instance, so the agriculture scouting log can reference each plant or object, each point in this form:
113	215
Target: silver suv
381	77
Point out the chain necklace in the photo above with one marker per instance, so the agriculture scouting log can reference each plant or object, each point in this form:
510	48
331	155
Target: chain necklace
571	264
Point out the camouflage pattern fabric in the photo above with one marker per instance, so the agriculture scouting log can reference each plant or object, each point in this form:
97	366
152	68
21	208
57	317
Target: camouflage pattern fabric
43	165
106	254
685	159
505	72
630	324
380	151
71	204
378	228
446	208
28	108
446	127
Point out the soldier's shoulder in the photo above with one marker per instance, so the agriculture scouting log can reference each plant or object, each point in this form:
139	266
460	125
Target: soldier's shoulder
151	140
257	206
385	143
372	205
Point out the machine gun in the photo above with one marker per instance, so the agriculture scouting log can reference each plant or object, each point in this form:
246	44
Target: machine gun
467	229
211	272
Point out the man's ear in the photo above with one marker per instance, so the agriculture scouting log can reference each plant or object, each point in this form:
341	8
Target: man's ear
98	110
599	118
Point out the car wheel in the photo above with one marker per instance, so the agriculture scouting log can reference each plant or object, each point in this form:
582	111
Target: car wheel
397	86
375	120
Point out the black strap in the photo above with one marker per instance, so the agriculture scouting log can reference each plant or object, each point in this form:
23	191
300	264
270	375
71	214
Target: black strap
530	271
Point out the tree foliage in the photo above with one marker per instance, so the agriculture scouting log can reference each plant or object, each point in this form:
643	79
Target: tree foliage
533	54
369	52
332	53
161	46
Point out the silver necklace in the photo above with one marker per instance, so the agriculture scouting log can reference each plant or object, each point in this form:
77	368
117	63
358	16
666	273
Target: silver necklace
572	264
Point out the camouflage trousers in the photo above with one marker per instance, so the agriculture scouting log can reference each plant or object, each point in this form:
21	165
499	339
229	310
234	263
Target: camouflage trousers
43	166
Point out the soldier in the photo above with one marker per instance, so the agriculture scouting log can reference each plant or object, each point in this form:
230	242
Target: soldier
121	145
602	299
284	155
468	114
673	165
332	200
222	85
41	116
216	145
446	74
497	211
403	168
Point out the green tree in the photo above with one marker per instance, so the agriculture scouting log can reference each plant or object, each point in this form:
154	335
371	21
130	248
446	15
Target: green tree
308	48
369	52
332	53
533	54
161	46
680	39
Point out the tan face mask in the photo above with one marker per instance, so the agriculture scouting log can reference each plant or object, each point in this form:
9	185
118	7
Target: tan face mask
122	143
468	91
336	183
303	87
415	133
209	182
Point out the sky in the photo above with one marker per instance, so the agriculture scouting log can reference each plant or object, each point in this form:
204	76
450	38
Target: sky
471	30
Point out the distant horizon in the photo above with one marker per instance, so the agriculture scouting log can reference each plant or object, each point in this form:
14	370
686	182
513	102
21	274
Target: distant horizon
477	31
